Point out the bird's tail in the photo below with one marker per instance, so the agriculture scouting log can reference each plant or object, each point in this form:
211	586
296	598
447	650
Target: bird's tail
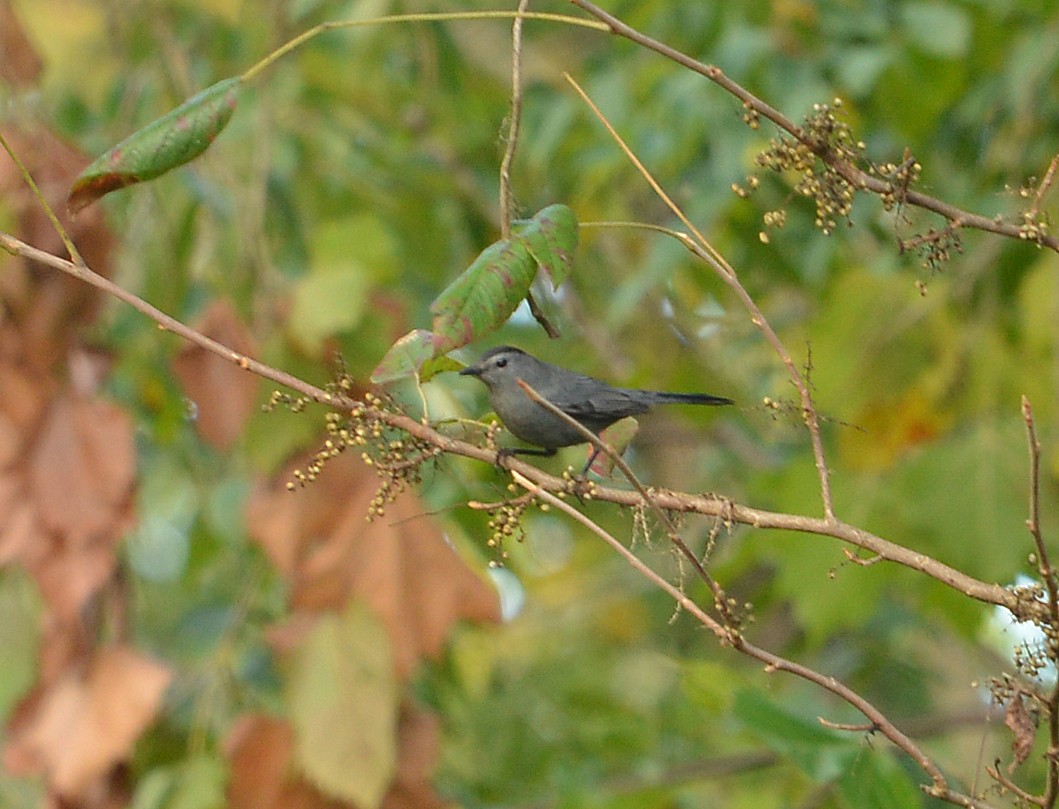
663	397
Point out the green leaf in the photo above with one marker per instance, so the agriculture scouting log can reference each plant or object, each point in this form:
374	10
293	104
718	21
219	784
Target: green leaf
487	292
342	695
438	365
876	781
484	296
167	142
196	783
405	358
821	754
20	622
328	301
551	237
938	29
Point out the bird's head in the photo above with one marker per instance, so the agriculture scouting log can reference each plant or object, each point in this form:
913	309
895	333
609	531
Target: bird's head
499	365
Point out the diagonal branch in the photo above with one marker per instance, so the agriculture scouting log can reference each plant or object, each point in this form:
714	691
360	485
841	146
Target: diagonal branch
728	636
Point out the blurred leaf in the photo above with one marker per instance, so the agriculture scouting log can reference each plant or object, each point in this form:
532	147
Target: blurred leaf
222	392
343	704
820	753
176	138
87	721
20	611
405	358
328	301
938	28
196	783
875	781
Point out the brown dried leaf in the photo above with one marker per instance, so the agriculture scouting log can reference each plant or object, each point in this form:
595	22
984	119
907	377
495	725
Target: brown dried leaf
260	750
19	63
48	307
1020	722
224	394
83	726
23	398
82	470
417	757
400	565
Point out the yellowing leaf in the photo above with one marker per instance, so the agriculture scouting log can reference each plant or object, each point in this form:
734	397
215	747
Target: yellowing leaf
343	704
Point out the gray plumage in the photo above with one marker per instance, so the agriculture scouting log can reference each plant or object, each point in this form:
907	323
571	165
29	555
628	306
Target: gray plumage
592	402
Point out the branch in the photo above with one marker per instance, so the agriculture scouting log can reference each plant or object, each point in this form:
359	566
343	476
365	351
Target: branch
720	600
855	176
773	662
1048	575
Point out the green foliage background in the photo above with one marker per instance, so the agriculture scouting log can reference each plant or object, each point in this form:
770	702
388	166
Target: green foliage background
363	169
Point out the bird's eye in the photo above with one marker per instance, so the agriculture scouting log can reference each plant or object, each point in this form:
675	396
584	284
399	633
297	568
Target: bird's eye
502	362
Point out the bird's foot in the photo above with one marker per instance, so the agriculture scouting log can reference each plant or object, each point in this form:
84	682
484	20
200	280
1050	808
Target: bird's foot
579	485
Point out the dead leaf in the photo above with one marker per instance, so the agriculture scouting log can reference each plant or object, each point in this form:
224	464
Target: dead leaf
1019	721
260	751
224	394
82	469
400	565
19	63
83	726
418	739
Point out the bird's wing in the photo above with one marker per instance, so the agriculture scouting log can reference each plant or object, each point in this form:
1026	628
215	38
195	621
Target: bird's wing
604	403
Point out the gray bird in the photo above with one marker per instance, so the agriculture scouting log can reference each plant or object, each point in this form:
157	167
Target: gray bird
590	401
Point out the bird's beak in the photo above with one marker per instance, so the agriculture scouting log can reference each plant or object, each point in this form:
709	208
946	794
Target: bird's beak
471	370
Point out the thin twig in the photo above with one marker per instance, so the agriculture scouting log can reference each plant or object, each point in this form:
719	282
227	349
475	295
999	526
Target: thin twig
435	16
514	120
1048	575
68	243
507	203
1044	187
720	599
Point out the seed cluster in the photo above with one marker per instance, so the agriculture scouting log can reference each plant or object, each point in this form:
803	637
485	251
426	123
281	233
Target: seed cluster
1031	658
505	522
396	457
935	247
823	134
1034	225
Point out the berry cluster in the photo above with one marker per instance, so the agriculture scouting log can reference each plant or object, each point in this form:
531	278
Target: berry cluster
823	135
396	457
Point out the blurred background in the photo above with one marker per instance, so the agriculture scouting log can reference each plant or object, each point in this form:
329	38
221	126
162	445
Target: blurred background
266	648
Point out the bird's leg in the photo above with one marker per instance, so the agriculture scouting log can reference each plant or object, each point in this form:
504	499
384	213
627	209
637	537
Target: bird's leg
591	460
508	452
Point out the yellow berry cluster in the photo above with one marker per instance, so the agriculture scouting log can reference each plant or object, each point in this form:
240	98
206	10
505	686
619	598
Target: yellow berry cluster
505	522
823	135
396	457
